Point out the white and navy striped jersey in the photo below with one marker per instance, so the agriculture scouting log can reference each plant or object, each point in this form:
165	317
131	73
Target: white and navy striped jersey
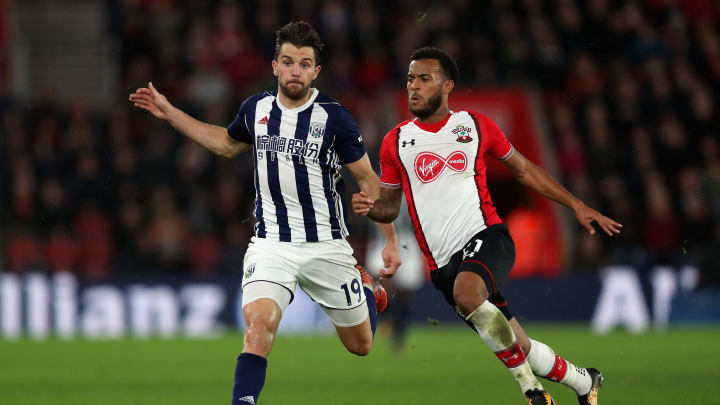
299	191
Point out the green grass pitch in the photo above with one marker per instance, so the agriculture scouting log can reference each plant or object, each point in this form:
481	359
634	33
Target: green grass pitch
442	365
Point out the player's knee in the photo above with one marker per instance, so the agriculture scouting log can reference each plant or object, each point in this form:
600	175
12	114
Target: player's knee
469	292
258	337
467	301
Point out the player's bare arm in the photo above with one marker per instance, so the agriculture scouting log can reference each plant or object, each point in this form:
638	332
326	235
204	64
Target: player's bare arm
531	175
214	138
370	187
384	209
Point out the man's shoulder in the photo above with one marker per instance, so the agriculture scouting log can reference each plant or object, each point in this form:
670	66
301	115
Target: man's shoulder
323	98
255	98
259	96
339	116
477	116
391	137
330	105
398	128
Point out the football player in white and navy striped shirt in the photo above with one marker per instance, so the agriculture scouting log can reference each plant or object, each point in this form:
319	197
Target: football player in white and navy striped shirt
300	139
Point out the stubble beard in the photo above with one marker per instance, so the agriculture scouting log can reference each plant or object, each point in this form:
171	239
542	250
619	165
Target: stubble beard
432	105
295	94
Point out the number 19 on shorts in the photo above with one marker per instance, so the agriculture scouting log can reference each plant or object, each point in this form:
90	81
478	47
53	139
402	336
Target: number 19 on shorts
354	288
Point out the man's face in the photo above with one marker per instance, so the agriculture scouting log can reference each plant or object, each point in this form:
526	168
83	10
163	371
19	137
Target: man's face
295	69
425	87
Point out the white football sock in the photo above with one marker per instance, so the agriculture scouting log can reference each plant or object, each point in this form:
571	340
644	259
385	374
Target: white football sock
545	363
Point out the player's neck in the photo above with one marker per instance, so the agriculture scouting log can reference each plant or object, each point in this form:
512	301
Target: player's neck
289	103
439	115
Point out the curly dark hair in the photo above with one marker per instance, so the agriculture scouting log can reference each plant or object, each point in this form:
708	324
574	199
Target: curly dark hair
447	63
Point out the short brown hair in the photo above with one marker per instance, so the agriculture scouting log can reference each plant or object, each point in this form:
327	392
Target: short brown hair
299	34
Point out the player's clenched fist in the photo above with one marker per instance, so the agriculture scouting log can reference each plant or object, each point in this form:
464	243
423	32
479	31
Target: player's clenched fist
362	203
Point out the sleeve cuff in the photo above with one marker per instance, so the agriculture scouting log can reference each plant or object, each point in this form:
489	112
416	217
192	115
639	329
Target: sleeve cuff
390	185
509	154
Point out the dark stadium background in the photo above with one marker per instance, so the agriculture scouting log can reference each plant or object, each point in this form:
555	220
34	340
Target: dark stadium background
121	242
624	110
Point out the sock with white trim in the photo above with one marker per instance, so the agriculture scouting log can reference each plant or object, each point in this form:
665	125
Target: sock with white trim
497	334
545	363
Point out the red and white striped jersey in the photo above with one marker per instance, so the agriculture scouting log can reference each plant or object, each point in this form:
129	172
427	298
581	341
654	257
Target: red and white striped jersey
441	168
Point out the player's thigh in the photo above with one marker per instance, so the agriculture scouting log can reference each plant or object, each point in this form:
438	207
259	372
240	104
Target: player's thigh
491	255
328	275
495	252
443	278
269	271
260	289
348	318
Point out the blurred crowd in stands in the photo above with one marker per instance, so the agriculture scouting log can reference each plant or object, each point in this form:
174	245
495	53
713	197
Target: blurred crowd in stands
629	87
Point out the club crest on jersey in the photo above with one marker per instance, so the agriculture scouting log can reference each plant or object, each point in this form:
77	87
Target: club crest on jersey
317	130
429	165
463	133
250	270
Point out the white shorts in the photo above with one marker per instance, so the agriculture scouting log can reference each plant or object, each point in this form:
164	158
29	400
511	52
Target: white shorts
324	270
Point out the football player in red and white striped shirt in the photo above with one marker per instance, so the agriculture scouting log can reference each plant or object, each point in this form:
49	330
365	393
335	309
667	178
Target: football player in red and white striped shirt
438	161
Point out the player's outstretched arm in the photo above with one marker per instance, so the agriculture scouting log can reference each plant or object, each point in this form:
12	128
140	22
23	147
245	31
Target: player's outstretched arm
214	138
531	175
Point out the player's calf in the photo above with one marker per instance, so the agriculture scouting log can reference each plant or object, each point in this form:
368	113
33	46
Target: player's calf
356	339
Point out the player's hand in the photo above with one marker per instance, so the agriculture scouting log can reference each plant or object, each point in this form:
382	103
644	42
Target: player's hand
151	100
362	203
391	260
586	215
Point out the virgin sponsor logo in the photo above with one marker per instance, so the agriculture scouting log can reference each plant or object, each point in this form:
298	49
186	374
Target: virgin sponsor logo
429	165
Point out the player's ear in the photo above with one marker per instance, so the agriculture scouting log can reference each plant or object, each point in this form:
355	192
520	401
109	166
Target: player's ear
275	66
448	86
317	71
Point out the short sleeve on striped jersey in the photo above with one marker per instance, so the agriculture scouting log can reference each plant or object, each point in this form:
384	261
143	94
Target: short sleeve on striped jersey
348	142
389	173
238	129
497	144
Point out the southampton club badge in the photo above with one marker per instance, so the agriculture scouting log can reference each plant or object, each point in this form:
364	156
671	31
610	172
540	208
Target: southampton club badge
317	130
463	134
250	270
